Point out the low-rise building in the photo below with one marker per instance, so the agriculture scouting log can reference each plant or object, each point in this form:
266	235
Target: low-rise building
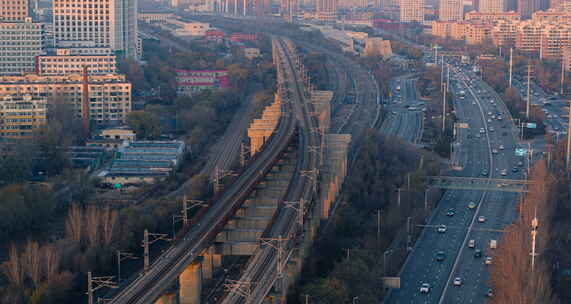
109	95
479	16
251	53
182	28
155	17
64	63
19	116
145	162
190	82
378	47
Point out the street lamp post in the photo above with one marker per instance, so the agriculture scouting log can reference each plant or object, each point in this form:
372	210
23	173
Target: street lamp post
388	252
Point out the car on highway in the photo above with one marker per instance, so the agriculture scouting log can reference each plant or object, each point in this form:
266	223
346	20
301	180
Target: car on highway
501	147
482	130
490	293
488	260
504	172
457	281
481	219
424	288
494	151
515	169
439	256
441	228
450	212
471	243
471	205
477	253
520	163
491	129
484	172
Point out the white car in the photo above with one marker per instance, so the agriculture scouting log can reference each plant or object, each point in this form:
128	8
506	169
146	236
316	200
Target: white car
481	219
488	260
441	228
502	147
424	288
471	243
457	281
504	172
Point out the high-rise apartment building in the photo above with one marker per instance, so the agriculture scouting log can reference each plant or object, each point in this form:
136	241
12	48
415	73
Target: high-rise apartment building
412	11
492	6
327	9
14	10
96	23
20	43
527	7
451	10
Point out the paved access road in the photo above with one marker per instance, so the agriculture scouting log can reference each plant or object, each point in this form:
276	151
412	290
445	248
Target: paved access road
475	156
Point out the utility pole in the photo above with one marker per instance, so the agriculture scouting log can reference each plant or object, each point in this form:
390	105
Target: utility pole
426	201
511	66
122	255
562	76
147	242
568	140
443	109
279	246
534	226
448	77
442	73
378	226
528	91
95	283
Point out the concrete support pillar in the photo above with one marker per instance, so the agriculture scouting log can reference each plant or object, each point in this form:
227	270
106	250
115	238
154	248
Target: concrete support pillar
207	264
167	298
190	281
216	260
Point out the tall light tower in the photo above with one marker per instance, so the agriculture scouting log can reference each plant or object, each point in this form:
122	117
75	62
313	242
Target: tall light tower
534	227
511	66
528	91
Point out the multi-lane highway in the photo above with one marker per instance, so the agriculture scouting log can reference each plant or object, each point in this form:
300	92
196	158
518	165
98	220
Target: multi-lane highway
487	148
405	112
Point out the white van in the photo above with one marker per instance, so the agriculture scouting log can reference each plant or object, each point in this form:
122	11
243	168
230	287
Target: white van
471	243
493	244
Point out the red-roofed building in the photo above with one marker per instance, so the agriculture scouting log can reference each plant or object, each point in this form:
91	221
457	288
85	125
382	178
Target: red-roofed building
214	35
239	37
190	82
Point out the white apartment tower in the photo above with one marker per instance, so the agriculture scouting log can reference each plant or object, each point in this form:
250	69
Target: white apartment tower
412	11
451	10
96	23
492	6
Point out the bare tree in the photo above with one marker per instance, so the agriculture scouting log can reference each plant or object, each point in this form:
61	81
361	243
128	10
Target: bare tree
13	268
73	223
51	262
32	261
92	223
512	276
108	224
